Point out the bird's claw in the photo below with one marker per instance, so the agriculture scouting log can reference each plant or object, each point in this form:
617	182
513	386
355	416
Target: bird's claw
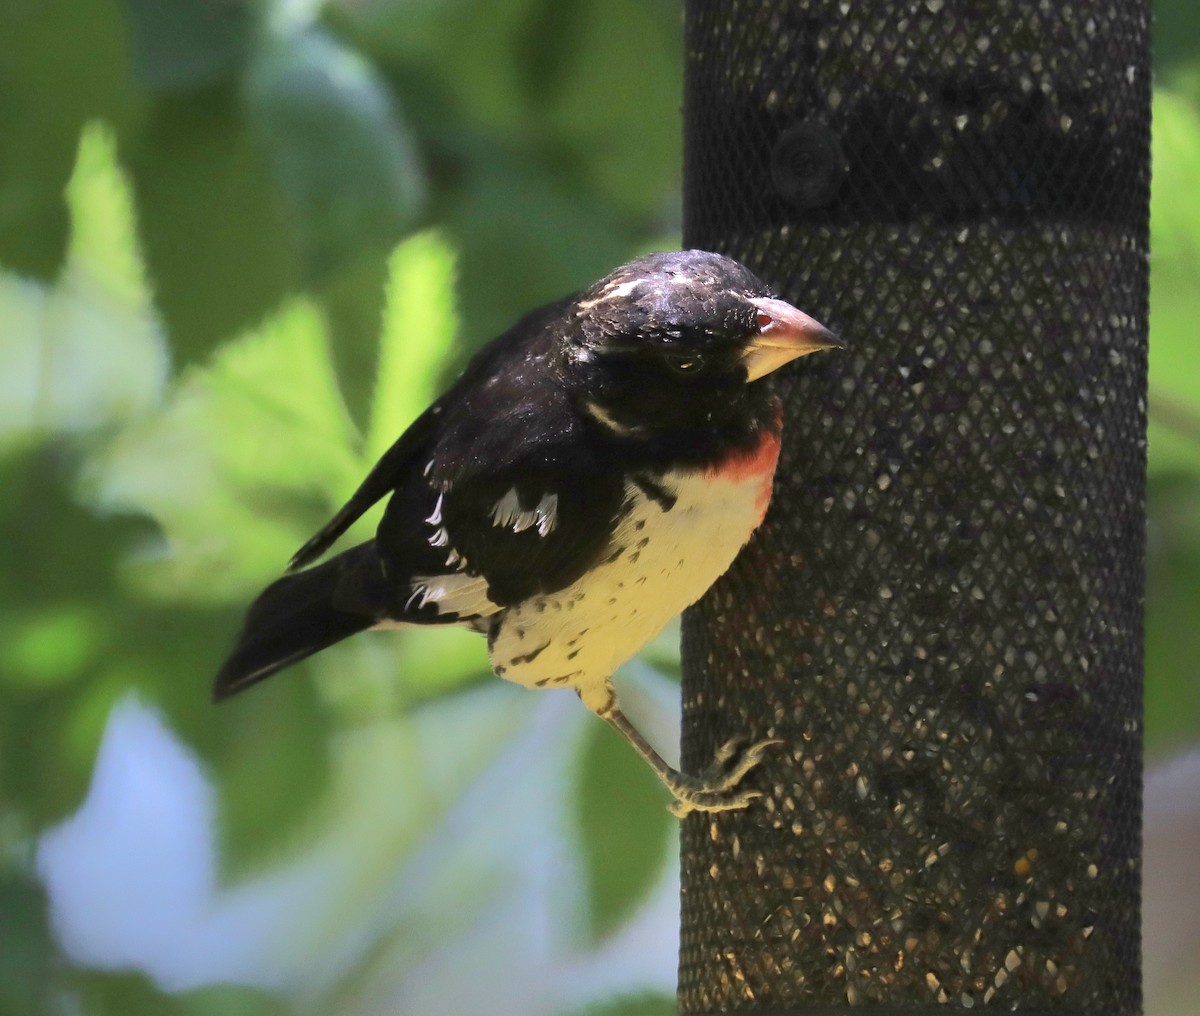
681	807
720	776
715	789
727	751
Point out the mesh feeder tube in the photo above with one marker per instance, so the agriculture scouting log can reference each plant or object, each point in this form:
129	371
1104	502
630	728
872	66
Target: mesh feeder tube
942	614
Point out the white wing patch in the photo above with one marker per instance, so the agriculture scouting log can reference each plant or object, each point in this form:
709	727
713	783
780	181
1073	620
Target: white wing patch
622	289
441	538
508	514
507	510
613	291
452	594
605	419
547	514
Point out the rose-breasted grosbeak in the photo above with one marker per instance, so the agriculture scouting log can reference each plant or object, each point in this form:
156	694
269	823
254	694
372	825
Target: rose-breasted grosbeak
590	474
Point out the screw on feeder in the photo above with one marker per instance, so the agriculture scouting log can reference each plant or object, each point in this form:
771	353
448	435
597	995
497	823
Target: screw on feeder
808	165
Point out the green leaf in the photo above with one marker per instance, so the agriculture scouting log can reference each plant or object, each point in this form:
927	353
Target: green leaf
49	647
104	242
437	661
241	463
623	827
662	652
353	302
1174	36
61	65
188	43
618	107
418	333
649	1004
73	360
481	68
1173	493
343	160
1174	406
1174	267
1175	145
86	352
234	1000
517	227
30	958
62	619
1172	605
220	248
548	47
134	994
273	767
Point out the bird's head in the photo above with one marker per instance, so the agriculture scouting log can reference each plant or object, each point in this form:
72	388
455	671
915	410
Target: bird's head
673	340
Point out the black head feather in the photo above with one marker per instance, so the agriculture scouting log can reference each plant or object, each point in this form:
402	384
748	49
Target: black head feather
657	345
684	299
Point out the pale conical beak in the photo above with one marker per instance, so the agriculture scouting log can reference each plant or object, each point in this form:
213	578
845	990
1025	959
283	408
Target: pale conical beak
784	333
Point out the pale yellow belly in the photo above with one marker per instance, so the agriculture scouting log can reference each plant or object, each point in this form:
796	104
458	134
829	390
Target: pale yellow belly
659	562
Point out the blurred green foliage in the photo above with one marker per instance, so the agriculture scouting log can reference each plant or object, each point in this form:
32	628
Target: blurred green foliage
241	245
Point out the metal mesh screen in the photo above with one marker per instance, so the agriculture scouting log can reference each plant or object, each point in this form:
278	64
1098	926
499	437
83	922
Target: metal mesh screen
942	615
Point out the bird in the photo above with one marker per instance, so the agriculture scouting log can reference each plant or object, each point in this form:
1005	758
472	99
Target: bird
591	473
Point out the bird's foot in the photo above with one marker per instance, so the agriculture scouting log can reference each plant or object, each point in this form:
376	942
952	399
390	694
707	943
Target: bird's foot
716	788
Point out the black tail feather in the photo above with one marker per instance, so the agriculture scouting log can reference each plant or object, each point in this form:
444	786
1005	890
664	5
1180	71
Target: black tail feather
299	615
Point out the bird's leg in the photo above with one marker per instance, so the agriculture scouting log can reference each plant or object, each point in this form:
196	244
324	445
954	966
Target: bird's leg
715	789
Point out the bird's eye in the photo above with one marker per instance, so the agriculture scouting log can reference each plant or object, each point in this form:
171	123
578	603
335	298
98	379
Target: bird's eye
684	364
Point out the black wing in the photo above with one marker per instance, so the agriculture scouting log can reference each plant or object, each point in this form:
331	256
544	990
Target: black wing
383	478
515	491
497	491
531	528
518	352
